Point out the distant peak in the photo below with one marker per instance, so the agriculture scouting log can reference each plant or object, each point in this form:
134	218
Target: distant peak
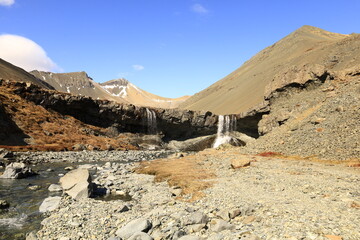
315	31
119	81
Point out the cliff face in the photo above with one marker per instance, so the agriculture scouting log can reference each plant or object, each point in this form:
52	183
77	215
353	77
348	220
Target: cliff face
309	53
172	123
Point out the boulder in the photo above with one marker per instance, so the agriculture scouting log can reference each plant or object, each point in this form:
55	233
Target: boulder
193	144
141	236
77	183
17	170
133	227
49	204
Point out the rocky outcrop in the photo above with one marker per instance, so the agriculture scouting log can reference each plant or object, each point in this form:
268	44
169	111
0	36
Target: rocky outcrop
17	170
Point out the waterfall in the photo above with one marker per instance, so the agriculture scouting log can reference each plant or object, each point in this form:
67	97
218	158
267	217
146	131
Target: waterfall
151	121
226	124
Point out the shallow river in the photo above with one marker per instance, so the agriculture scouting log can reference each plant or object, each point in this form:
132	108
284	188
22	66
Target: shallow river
23	215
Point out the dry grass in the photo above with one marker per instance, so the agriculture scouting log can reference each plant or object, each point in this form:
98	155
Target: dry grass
188	173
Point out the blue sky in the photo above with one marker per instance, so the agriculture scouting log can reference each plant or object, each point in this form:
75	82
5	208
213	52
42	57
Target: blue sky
167	47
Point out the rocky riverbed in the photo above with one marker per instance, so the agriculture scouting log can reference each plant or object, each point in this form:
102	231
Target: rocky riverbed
273	198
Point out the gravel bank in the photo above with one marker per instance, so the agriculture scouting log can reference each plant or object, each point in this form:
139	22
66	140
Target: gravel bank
271	199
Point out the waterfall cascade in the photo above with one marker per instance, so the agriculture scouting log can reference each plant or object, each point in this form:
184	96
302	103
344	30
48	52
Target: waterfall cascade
151	121
226	124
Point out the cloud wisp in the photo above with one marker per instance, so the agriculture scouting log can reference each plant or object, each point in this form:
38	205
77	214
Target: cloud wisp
6	2
198	8
25	53
138	67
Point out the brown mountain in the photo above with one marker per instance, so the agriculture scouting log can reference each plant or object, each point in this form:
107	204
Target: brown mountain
129	92
308	53
10	71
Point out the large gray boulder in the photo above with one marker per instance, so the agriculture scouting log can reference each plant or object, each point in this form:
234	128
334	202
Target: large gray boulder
133	227
141	236
49	204
77	184
17	170
193	144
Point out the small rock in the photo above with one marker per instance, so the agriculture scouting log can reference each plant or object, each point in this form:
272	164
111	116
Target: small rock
248	219
233	213
69	168
240	162
55	188
34	187
196	218
4	204
219	225
195	227
224	214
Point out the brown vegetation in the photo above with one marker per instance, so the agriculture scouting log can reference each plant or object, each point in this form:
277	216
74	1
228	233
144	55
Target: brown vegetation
186	173
49	130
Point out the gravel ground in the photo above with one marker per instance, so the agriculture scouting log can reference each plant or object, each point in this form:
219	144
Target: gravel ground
271	199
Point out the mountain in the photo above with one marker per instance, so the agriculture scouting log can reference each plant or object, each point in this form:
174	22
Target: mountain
76	83
124	89
10	71
119	90
306	54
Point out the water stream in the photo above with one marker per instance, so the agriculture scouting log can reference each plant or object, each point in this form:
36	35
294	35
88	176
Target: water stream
23	216
151	121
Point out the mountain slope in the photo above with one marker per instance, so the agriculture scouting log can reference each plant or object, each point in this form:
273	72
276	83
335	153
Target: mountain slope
132	94
307	53
12	72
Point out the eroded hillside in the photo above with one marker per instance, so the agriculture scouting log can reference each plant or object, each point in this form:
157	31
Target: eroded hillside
23	123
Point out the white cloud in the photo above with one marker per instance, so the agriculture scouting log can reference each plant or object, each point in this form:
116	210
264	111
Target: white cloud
137	67
25	53
7	2
198	8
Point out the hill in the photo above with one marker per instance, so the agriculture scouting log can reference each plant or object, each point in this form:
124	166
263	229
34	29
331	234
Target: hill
308	53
